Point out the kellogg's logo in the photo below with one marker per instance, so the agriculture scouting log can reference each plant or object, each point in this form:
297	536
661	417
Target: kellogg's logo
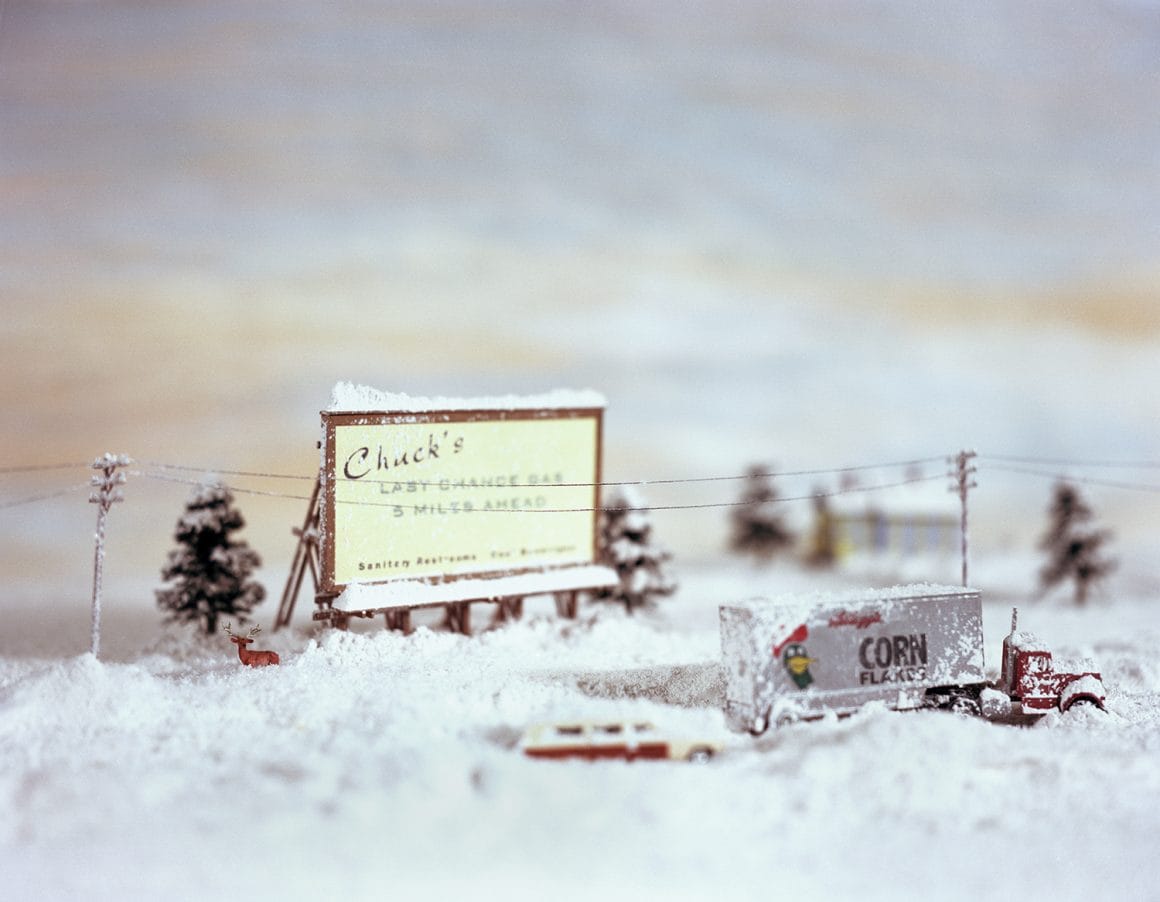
858	621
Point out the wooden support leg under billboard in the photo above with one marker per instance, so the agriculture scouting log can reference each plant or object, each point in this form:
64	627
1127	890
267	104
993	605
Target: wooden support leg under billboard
398	619
509	609
566	604
305	560
458	617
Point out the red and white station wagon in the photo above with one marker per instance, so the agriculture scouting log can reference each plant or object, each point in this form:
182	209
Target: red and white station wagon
623	740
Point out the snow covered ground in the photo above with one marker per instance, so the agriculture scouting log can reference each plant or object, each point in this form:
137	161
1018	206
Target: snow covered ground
372	765
817	236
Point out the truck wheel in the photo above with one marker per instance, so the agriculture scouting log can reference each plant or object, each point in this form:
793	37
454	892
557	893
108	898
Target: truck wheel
760	725
1082	705
1086	688
700	755
964	705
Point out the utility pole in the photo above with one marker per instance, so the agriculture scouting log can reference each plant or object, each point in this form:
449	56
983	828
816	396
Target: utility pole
962	482
107	492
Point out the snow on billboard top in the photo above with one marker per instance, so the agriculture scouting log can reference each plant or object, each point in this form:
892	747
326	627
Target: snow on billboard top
441	488
347	397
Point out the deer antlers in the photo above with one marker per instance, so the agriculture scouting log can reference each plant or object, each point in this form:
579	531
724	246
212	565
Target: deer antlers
229	632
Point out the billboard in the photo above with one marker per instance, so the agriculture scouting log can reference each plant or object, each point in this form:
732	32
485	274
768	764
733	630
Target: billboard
449	494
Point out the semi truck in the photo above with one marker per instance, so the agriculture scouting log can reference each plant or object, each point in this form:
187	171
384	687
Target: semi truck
909	647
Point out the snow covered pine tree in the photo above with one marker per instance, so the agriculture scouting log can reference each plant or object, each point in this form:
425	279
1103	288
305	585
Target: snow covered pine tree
757	524
210	571
1072	551
626	545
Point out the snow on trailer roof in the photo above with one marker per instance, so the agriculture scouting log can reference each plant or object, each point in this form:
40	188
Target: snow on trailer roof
347	397
819	599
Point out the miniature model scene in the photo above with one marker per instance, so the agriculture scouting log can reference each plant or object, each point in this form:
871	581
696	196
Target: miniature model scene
513	622
531	451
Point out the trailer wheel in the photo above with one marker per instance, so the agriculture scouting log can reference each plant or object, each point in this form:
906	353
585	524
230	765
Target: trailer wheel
700	755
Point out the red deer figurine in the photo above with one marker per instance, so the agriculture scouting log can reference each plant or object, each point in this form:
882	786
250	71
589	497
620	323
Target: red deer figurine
252	658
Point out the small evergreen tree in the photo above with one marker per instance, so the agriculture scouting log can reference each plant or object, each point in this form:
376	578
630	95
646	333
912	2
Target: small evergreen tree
1073	551
627	546
758	528
210	571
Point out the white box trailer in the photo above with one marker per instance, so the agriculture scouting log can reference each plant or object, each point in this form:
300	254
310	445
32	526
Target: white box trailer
804	656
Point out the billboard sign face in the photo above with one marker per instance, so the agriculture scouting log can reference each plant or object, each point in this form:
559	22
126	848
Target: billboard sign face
451	494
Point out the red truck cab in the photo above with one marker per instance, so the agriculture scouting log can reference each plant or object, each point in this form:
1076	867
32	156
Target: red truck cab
1030	677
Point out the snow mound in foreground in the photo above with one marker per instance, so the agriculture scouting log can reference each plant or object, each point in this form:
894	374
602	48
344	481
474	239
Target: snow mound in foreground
365	760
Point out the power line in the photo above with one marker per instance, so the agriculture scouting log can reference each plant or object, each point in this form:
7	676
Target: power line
33	468
825	471
990	460
1057	462
573	510
1107	483
162	477
755	474
901	464
45	496
220	472
719	504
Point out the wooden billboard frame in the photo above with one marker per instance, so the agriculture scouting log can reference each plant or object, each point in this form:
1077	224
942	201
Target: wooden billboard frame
317	547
